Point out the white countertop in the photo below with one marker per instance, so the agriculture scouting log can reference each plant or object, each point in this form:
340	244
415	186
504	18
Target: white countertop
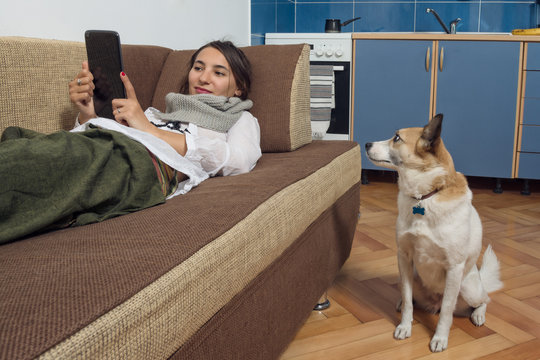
476	36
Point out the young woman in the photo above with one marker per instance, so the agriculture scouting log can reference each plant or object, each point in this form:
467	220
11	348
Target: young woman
105	168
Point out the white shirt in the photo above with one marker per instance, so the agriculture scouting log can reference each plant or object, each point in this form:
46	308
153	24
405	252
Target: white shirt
209	153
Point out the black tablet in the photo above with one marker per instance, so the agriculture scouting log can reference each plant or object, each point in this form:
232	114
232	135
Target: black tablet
105	61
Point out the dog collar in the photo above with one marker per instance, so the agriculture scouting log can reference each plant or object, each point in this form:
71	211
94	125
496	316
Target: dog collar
428	195
419	209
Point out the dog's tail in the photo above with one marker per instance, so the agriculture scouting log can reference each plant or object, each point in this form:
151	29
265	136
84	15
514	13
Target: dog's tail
489	272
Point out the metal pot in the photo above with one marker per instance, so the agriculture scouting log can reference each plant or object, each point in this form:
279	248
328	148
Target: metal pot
334	25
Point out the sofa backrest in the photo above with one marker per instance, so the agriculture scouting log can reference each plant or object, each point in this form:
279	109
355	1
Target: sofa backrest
279	90
143	64
34	77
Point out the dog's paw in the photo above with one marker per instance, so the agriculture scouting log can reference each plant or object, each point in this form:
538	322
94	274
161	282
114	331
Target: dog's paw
438	343
478	316
403	331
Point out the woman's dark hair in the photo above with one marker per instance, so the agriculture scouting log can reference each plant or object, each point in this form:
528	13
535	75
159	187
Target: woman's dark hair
239	63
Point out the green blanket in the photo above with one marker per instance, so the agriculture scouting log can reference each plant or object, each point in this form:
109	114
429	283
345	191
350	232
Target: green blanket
69	179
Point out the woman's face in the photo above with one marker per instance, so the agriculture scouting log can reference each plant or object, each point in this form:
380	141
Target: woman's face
211	74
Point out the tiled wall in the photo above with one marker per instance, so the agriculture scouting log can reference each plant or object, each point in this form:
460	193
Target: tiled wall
387	15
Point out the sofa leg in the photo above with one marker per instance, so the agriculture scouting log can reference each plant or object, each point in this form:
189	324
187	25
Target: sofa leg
365	180
323	303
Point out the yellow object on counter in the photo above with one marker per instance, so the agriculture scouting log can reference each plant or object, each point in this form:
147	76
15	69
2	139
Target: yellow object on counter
535	31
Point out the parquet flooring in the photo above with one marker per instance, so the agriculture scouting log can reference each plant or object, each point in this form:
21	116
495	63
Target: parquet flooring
360	321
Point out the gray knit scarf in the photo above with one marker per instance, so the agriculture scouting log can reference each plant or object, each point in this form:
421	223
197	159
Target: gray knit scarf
218	113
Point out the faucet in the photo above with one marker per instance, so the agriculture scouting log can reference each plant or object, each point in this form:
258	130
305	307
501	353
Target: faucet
453	24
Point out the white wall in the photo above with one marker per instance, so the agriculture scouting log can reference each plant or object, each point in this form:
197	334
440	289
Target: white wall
177	24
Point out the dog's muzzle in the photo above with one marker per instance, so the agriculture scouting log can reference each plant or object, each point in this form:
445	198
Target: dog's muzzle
368	146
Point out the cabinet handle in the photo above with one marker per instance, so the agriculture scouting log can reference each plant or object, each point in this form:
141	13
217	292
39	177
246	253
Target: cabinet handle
441	59
428	58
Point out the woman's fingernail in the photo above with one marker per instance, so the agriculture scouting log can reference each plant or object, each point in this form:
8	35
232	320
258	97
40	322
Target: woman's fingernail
123	73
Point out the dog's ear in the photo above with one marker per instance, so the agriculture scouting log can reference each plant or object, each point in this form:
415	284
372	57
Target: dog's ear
431	135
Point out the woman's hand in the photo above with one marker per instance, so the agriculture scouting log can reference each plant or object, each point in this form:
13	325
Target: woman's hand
81	90
128	111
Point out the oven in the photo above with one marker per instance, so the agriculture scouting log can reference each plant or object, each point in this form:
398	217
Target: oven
330	60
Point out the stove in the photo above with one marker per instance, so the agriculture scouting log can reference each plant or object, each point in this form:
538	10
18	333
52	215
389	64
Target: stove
327	49
324	46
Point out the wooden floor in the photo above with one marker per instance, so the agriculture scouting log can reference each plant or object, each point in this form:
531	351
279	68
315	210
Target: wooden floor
361	320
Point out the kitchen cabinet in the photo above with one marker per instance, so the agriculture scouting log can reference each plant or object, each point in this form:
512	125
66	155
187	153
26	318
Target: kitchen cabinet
402	83
477	84
528	155
392	88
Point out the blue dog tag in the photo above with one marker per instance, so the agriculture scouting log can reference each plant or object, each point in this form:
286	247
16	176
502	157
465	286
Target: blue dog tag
418	210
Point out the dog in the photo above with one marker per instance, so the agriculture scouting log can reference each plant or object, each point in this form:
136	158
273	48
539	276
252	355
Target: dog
438	233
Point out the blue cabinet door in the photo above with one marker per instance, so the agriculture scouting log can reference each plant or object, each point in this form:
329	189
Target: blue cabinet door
533	56
476	92
391	89
529	165
529	158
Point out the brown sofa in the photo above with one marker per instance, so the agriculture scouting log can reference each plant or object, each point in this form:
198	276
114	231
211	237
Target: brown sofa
228	271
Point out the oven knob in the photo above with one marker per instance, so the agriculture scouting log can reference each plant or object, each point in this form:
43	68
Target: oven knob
339	53
319	52
329	53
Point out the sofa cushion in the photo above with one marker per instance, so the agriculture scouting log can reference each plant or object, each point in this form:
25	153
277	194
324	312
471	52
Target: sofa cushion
123	286
284	117
34	77
143	64
172	75
280	70
43	105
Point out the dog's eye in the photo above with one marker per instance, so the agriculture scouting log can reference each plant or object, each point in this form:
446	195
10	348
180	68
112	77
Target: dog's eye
397	138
